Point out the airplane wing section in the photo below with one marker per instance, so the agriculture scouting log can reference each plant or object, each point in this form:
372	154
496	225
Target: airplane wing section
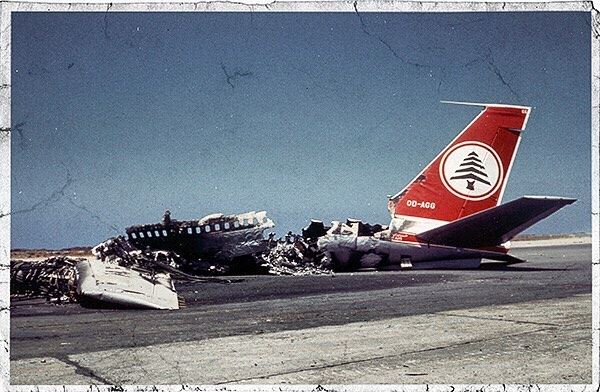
495	225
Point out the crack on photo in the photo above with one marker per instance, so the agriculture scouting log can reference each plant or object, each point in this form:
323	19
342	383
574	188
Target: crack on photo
494	68
83	370
230	78
4	133
382	41
482	59
23	140
105	24
92	214
54	197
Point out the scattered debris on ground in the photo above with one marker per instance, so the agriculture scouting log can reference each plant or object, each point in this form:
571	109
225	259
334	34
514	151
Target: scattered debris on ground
293	255
138	270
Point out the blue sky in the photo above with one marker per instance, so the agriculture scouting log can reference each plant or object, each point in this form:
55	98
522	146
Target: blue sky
119	116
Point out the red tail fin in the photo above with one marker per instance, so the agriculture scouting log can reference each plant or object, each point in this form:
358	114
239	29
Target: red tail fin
470	174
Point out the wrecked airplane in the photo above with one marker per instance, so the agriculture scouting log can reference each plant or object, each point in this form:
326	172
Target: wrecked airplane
450	215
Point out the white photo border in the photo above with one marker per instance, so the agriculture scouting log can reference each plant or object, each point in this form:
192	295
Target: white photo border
8	7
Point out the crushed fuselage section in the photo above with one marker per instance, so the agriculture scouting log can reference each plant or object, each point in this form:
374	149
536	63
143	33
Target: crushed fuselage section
217	241
202	238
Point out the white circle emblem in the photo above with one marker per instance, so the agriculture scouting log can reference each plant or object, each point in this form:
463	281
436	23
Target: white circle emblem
471	170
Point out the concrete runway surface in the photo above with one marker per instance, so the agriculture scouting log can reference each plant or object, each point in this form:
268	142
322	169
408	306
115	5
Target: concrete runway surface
526	324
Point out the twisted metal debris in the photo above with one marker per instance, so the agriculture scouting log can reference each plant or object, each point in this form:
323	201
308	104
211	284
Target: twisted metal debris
294	255
53	279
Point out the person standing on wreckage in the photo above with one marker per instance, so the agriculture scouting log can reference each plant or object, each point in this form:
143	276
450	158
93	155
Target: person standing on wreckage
166	218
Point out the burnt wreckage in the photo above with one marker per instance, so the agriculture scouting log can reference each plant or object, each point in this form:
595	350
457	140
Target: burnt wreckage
230	244
215	243
224	244
140	272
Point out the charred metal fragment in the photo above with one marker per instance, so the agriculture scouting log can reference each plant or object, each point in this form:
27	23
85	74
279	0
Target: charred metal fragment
314	230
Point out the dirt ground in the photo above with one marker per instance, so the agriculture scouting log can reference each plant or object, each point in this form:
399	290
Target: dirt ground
41	254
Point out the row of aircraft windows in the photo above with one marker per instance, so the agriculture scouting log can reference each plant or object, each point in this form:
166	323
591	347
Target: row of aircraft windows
226	226
149	234
199	229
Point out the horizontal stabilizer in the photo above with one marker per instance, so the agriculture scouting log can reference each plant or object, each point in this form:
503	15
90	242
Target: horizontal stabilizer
495	225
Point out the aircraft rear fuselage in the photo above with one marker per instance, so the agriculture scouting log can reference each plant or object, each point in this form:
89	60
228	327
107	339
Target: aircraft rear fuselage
449	215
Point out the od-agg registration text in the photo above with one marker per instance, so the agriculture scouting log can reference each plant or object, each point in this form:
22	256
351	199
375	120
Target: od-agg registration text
420	204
